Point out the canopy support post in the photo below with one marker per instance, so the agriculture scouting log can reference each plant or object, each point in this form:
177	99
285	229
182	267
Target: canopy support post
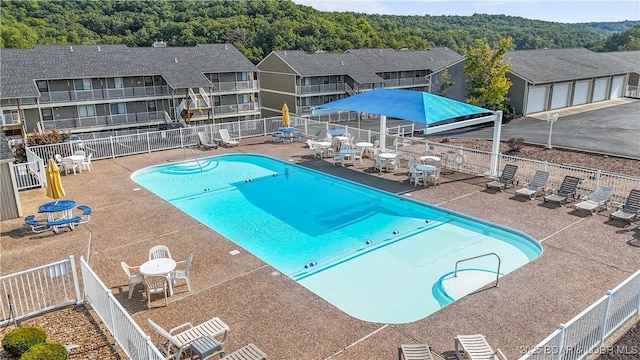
495	146
383	132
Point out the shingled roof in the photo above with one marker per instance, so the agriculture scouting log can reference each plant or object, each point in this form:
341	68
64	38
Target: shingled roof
363	64
629	58
543	66
181	67
5	151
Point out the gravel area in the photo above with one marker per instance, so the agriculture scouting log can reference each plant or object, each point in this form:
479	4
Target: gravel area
626	348
618	165
74	326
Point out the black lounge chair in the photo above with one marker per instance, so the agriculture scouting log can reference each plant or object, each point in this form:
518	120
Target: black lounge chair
567	189
630	210
507	177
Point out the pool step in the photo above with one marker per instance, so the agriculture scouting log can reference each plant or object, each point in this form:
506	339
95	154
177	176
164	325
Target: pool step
467	281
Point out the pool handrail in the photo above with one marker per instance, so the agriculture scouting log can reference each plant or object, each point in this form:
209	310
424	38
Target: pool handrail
455	272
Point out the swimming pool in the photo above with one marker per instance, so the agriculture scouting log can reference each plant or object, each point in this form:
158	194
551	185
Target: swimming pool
377	256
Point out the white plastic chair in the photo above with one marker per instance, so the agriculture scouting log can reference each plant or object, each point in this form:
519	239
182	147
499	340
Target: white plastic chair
182	273
159	251
69	165
415	175
133	279
86	163
156	285
80	152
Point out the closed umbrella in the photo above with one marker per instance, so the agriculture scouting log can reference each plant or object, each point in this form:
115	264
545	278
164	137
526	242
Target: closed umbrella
54	183
286	122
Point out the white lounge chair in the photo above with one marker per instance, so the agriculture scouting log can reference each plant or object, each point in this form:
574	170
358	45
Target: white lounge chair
175	342
414	352
204	141
476	347
134	279
226	139
247	352
536	186
630	210
596	201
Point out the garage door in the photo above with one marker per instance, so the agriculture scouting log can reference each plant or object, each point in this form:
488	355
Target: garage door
560	96
537	99
581	92
600	89
617	85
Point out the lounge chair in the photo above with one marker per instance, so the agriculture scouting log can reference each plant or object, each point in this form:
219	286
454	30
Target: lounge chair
536	186
204	141
176	342
567	189
475	347
414	352
507	177
630	210
596	201
226	139
247	352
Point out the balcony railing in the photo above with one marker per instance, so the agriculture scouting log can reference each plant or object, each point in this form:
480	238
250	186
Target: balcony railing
236	108
321	89
102	94
105	120
411	81
11	119
235	85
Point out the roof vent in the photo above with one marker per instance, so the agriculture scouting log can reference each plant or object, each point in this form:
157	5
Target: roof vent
369	51
319	51
159	44
380	50
404	49
175	60
431	58
226	46
285	52
99	48
342	62
427	49
71	48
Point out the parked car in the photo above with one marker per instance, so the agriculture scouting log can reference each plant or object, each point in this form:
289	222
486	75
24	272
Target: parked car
76	141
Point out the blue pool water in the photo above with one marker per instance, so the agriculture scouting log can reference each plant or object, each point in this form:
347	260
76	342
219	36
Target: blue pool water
375	255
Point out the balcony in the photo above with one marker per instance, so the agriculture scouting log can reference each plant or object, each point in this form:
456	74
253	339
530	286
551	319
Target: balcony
406	82
321	89
11	119
236	108
234	86
133	119
103	94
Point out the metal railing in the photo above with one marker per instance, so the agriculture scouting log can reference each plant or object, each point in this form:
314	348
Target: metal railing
585	334
34	291
103	94
455	272
127	333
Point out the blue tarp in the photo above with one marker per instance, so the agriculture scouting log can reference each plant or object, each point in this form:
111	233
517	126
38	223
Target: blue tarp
416	106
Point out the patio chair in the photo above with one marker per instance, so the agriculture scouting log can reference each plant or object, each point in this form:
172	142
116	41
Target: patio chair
596	201
414	352
247	352
507	177
415	175
133	279
476	347
567	189
159	251
630	210
86	163
156	285
70	165
536	186
182	274
226	139
175	343
204	142
433	177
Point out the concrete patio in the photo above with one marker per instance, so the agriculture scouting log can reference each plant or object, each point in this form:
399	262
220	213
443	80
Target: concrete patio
583	257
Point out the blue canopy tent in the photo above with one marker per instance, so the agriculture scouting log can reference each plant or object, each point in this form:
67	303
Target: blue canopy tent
436	112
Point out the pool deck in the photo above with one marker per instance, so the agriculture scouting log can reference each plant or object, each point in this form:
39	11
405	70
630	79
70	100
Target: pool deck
584	256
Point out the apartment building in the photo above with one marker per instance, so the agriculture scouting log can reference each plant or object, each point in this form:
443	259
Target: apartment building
97	88
304	80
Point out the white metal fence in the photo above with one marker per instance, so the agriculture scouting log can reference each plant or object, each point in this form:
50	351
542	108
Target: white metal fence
455	157
133	341
30	292
585	334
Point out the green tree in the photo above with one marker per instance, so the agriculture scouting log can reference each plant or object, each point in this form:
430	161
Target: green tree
486	71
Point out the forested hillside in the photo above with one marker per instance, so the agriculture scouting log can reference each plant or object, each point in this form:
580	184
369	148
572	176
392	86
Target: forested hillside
258	27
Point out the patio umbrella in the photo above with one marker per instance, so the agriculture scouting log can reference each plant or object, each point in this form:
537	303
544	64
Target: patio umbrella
54	184
286	122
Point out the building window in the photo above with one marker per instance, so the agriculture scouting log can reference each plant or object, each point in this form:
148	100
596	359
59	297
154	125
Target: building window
306	101
47	115
82	84
306	81
148	81
216	100
43	86
119	108
215	77
86	111
114	83
241	76
151	106
243	98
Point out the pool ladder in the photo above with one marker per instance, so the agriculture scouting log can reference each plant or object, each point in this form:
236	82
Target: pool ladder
455	273
194	157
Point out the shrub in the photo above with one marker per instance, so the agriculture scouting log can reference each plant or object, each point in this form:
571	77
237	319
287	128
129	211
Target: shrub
46	351
19	340
515	144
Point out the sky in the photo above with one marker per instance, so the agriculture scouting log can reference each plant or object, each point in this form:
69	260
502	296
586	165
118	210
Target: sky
564	11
